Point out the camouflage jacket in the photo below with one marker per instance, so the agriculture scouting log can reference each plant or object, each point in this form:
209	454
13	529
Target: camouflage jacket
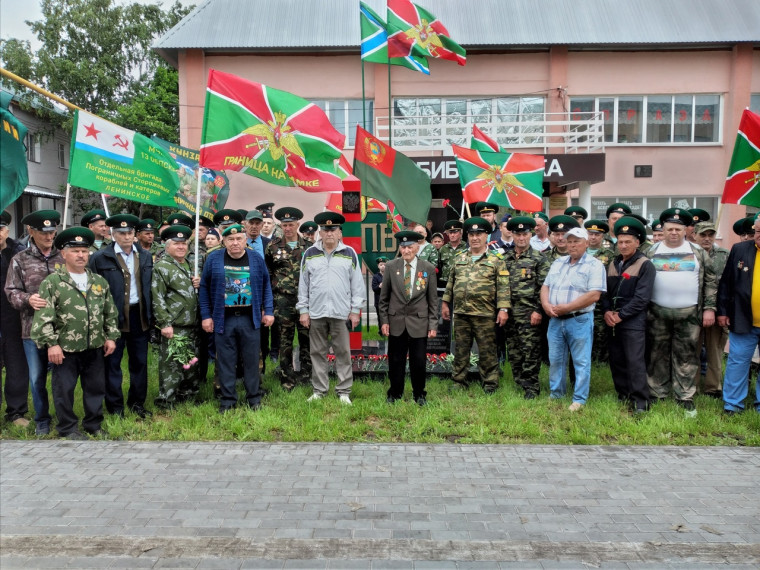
527	272
479	287
604	255
429	253
719	256
284	265
447	254
28	269
553	254
73	320
175	300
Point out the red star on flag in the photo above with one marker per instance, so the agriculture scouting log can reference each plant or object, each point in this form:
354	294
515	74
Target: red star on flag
92	131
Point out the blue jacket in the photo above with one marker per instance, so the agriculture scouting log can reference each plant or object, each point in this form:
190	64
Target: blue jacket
211	295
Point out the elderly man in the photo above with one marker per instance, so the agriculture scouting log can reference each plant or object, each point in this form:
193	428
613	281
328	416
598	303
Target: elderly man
683	301
630	278
236	301
478	295
540	241
408	316
330	291
77	327
27	270
95	220
713	338
573	285
739	310
128	270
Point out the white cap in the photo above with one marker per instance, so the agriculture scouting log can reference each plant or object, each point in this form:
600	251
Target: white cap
577	232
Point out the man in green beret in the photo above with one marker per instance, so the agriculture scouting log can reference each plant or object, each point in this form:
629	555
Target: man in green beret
204	225
408	316
227	217
527	270
174	291
630	279
488	212
128	270
95	220
657	233
577	212
540	240
743	228
283	259
27	270
308	230
614	213
698	215
77	327
558	228
596	230
477	294
683	301
146	236
452	229
713	339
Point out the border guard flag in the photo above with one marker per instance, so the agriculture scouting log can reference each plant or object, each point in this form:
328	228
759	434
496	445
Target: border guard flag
112	160
270	134
14	175
414	31
743	180
375	42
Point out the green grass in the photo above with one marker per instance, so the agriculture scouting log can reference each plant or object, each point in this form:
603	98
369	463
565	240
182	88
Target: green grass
469	417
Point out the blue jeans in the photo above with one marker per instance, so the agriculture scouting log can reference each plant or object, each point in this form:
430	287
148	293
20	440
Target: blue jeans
575	334
37	361
736	379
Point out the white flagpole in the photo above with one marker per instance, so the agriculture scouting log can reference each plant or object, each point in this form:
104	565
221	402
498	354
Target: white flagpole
66	205
197	216
105	206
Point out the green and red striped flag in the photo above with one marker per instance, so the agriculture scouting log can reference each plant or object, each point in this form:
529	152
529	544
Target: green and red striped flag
271	134
375	42
481	141
743	180
395	221
413	31
508	179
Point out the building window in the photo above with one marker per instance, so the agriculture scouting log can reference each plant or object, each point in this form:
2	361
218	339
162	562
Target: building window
32	143
61	156
754	103
656	119
345	115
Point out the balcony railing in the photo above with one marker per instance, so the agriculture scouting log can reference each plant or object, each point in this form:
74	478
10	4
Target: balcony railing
544	132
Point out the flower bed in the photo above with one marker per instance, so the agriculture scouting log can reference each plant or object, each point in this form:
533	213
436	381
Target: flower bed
376	365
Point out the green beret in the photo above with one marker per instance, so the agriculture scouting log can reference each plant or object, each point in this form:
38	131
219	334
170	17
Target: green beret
266	207
206	222
597	226
308	227
407	237
243	212
176	232
180	219
476	224
618	208
381	259
485	207
232	230
576	211
227	216
628	225
123	222
146	225
329	219
699	215
42	220
288	214
453	225
656	225
562	223
541	216
93	216
74	237
677	216
743	227
520	224
5	218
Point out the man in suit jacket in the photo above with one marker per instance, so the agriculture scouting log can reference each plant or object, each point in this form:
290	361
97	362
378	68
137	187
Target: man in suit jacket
739	310
408	315
128	268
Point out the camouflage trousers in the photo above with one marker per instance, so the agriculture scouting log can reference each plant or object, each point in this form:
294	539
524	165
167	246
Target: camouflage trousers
674	360
714	339
599	351
288	323
175	384
524	347
480	329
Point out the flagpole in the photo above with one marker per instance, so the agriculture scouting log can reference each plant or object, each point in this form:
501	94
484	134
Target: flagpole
364	102
66	204
390	106
105	206
197	217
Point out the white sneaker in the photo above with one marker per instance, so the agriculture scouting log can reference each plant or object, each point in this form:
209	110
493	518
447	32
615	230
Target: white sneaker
344	399
315	396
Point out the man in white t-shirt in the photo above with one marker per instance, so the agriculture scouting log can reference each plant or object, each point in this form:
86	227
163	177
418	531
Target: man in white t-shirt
683	301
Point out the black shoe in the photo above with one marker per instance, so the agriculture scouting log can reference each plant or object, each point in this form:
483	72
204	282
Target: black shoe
639	412
119	413
42	428
530	395
718	394
75	436
390	400
730	413
687	405
255	407
141	412
421	401
225	409
99	433
489	390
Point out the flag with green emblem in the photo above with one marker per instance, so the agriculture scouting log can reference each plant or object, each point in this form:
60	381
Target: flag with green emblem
743	180
14	175
413	31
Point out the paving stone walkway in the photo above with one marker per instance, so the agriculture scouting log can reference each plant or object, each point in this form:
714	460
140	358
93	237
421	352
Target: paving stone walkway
331	505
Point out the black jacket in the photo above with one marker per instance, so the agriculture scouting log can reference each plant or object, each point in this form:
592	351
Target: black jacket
9	317
629	290
735	287
104	262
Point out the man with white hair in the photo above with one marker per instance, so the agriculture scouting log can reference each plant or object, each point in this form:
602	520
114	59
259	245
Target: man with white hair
572	287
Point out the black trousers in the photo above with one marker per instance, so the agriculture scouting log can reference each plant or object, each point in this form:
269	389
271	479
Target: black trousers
89	366
628	365
136	343
13	358
398	348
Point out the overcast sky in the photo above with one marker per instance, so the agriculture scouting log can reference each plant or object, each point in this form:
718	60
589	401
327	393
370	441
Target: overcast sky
13	14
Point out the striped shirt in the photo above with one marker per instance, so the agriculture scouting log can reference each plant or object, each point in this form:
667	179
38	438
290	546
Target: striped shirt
568	281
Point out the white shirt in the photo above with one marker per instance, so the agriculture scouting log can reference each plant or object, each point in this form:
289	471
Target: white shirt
676	283
129	259
540	244
80	279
